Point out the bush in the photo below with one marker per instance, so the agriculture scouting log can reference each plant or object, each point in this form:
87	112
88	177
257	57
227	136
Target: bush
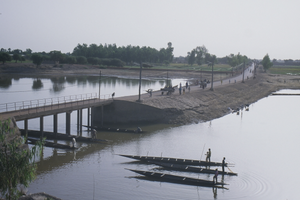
81	60
93	60
117	62
17	165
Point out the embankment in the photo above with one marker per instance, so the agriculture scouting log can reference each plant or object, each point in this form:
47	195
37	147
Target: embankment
198	104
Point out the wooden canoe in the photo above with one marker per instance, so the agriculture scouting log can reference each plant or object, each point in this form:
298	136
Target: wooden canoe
51	144
174	160
179	179
61	136
186	168
124	130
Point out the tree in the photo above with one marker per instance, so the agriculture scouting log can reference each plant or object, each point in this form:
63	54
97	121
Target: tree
200	54
191	57
4	57
37	59
117	62
266	62
169	50
93	60
56	56
81	60
17	57
17	166
71	59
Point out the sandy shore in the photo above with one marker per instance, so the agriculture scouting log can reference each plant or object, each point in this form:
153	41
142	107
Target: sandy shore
196	105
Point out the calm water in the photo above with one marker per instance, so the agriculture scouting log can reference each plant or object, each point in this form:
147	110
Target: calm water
262	143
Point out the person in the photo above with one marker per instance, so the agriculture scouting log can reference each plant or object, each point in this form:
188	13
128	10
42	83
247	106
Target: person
208	155
186	85
74	142
223	164
215	178
138	130
94	134
150	93
180	88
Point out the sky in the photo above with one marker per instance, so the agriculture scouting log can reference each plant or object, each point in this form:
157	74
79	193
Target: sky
252	28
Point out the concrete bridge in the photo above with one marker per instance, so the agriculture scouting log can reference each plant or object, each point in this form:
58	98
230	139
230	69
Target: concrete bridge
39	108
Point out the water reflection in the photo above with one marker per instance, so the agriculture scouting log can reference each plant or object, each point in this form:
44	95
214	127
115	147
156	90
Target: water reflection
5	82
252	145
37	84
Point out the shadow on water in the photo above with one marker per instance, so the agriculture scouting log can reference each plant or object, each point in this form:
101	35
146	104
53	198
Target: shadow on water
5	82
55	158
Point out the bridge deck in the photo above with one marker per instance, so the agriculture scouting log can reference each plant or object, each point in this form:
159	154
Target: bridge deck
53	109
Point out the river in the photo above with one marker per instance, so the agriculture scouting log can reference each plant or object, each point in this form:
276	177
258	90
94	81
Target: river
261	144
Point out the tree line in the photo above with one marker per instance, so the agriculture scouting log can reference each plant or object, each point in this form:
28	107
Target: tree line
112	55
108	55
200	55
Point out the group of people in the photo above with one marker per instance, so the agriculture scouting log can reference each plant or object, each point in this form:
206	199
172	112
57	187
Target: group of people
203	84
208	155
187	87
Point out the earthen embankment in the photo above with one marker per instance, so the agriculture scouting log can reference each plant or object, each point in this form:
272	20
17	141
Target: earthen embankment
194	106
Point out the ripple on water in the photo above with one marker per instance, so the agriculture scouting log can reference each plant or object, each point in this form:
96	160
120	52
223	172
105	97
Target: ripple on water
251	185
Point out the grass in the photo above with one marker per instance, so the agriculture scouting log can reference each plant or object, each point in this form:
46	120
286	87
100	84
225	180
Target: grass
291	70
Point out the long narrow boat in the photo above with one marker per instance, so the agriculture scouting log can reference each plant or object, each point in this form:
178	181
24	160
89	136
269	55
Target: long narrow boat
51	144
138	130
179	179
61	136
174	160
186	168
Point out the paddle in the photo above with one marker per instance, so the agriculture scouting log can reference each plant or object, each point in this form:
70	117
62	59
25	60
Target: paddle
202	152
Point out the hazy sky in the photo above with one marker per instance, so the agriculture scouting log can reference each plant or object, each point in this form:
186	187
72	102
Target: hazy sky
253	27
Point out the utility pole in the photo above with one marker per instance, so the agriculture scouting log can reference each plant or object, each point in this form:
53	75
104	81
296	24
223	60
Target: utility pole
212	77
167	85
99	84
212	74
139	100
243	72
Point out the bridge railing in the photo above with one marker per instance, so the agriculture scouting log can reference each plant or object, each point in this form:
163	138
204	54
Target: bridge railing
38	103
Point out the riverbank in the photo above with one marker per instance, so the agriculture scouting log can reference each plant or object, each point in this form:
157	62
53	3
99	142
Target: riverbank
205	105
194	106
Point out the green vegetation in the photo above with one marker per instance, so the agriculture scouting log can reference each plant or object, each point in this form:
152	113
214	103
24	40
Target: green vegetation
292	70
4	57
17	165
37	59
266	62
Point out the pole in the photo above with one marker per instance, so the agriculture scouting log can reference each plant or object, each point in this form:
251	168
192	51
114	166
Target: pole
99	83
167	79
140	83
243	73
212	77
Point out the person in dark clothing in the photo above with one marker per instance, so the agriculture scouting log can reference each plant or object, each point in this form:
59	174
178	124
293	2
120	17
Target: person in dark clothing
215	178
223	164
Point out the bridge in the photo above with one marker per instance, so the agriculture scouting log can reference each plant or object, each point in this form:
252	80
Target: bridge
38	108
